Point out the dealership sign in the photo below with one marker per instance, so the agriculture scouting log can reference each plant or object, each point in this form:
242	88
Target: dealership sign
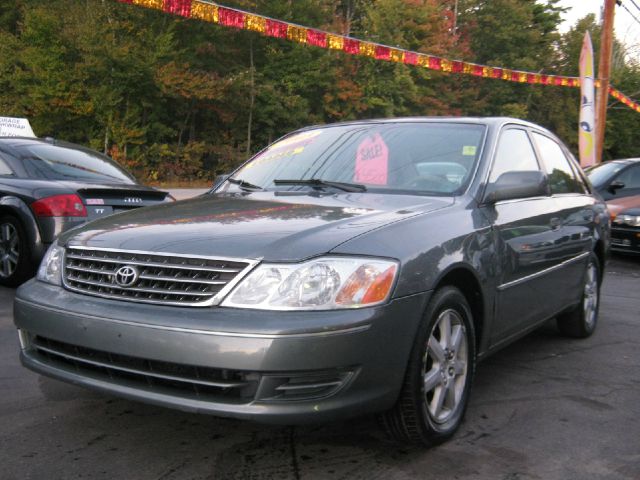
15	127
587	111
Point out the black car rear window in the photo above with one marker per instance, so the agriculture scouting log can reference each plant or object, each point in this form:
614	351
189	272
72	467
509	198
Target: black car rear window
56	162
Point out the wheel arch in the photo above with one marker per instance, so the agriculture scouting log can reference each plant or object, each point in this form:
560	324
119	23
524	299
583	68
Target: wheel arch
465	279
17	208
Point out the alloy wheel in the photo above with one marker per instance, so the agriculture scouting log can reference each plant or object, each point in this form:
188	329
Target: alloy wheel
590	298
9	250
445	366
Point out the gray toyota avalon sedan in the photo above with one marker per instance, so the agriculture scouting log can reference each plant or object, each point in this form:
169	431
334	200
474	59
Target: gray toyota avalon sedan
346	269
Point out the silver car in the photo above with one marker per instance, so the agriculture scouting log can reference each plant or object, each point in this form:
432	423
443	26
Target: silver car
346	269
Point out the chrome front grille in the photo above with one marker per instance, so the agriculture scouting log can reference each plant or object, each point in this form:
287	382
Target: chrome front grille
150	277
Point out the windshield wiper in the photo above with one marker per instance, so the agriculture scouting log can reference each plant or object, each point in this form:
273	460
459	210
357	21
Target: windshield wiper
317	182
244	184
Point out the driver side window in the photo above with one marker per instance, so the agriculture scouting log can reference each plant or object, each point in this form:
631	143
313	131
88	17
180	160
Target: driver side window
514	153
631	178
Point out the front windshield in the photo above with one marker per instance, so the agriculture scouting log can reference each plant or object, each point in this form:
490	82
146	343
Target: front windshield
600	174
55	162
417	157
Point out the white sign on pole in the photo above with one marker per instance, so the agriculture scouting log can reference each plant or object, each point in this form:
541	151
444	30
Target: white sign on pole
15	127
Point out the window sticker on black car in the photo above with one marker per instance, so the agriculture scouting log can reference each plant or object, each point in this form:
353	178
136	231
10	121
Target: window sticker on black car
372	161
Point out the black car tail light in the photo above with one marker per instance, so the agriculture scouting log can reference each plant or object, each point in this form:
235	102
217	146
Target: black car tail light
59	206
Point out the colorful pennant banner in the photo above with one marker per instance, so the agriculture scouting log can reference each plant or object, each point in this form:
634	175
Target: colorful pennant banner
234	18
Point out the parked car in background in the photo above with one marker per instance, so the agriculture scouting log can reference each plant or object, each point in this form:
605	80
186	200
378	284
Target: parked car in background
346	269
616	178
47	187
625	224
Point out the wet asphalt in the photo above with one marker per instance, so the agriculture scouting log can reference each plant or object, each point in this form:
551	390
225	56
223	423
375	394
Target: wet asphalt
545	407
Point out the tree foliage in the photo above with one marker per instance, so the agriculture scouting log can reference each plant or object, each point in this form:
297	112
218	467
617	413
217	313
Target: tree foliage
180	99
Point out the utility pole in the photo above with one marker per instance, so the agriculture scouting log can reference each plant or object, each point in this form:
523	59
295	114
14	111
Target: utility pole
455	17
604	72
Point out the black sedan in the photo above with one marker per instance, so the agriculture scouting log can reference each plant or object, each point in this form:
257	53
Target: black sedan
47	187
616	178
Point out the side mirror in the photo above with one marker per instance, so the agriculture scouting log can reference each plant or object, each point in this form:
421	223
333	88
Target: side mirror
615	185
220	179
519	184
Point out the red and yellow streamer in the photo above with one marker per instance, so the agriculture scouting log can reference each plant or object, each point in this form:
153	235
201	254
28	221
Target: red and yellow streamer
231	17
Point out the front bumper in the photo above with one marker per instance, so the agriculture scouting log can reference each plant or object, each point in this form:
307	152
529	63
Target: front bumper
277	367
625	239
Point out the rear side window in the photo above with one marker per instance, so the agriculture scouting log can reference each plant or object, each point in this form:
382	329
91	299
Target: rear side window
4	168
562	178
514	154
601	174
630	177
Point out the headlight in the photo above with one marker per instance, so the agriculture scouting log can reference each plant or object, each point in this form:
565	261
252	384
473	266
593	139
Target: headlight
632	220
50	270
325	283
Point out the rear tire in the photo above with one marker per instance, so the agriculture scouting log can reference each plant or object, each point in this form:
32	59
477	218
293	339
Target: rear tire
438	379
15	262
581	322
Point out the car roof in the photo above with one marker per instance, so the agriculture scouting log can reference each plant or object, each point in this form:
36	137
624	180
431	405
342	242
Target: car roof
18	141
624	161
491	121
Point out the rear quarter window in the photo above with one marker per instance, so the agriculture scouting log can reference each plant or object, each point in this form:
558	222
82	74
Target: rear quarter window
4	168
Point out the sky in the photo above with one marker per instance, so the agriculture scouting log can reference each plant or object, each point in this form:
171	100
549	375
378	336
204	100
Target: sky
626	28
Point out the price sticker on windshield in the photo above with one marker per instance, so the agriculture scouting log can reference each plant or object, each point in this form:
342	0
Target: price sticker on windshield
469	150
372	161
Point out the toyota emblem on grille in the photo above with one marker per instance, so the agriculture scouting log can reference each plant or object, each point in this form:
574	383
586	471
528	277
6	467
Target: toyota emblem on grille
126	276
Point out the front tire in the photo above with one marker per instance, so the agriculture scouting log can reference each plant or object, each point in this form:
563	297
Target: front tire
437	383
581	322
15	265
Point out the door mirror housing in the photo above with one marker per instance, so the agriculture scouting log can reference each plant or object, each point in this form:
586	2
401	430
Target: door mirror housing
614	186
519	184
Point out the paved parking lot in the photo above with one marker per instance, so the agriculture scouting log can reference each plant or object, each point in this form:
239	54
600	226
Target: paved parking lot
543	408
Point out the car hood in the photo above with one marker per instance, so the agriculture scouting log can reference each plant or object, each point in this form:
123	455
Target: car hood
619	205
262	225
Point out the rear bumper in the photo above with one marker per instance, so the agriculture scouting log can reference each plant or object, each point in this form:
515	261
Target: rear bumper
361	354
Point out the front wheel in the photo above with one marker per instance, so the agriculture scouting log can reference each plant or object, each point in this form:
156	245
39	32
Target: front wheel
581	322
438	380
